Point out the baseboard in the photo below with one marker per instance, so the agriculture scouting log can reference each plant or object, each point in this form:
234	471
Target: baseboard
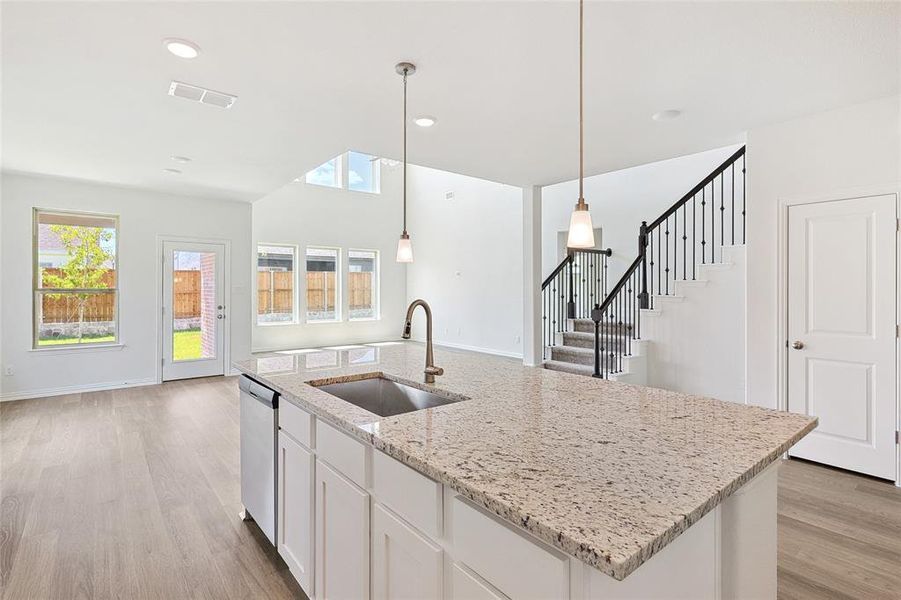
479	349
76	389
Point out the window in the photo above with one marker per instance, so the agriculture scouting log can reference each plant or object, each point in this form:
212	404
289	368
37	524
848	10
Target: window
362	172
323	296
352	171
75	279
275	285
363	284
327	174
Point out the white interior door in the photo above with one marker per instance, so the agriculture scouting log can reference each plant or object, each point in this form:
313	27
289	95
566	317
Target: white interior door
194	310
841	326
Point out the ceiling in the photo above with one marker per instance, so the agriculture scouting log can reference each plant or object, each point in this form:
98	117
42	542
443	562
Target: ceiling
84	84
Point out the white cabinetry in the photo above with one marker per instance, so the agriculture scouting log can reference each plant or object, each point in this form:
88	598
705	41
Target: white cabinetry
466	586
405	564
342	537
505	558
295	509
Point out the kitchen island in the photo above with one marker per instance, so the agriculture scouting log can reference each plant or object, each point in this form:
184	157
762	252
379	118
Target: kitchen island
536	483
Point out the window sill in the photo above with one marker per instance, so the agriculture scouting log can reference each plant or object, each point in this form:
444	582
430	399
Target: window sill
79	349
331	322
278	324
365	320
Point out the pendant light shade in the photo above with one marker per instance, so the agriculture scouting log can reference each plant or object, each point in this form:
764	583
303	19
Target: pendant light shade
404	244
581	230
404	249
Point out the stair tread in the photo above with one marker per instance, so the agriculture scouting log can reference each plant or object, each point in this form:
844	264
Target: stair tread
567	367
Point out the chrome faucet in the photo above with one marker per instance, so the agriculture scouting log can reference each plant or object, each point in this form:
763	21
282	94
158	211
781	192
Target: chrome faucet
430	369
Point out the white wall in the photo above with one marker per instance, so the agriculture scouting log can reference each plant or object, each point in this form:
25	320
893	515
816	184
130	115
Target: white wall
856	148
697	344
467	260
143	216
309	215
620	200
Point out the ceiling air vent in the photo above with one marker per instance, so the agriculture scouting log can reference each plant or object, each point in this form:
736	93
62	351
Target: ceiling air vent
202	95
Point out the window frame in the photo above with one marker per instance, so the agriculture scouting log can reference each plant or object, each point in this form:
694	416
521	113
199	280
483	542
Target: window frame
377	285
339	288
342	173
375	167
37	291
295	299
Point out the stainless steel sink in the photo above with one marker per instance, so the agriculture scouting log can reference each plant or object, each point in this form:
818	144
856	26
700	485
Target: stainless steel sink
385	397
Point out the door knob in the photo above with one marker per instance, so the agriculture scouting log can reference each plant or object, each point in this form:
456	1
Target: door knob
220	316
797	344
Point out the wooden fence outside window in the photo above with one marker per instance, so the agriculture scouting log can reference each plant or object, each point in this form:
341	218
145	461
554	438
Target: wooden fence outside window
275	291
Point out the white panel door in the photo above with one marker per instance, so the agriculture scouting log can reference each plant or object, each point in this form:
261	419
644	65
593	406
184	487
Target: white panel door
841	327
406	565
295	509
193	310
342	537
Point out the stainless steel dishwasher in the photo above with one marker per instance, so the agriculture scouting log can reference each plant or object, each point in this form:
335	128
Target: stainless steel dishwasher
259	438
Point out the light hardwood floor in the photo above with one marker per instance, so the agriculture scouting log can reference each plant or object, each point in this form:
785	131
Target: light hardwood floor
135	494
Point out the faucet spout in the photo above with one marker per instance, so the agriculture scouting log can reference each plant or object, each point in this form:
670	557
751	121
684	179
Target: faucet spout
430	369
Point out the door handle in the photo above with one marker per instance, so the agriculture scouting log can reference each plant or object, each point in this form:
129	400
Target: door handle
797	344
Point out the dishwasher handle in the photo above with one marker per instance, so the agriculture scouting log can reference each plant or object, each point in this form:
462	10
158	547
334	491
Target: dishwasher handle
258	391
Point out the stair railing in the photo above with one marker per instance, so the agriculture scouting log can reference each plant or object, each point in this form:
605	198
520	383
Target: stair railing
710	216
693	228
572	288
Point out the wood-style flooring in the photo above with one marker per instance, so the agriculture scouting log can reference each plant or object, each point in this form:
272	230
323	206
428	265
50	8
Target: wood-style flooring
839	534
130	494
135	494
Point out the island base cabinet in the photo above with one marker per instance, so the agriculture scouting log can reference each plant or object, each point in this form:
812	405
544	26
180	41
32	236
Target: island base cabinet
295	509
405	565
467	586
342	537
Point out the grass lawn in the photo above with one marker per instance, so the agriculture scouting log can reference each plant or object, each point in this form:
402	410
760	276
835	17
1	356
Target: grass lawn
186	343
74	340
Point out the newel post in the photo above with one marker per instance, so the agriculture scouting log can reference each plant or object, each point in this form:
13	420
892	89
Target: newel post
643	298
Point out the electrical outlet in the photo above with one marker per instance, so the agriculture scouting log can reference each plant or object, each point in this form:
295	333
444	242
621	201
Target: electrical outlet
8	371
516	339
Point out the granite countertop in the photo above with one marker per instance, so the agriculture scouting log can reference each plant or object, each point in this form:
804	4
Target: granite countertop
607	472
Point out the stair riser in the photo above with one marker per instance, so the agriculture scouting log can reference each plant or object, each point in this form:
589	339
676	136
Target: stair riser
587	341
583	326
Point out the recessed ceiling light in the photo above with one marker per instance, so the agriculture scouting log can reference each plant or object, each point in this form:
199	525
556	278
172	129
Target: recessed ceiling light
180	159
172	171
425	121
666	115
182	48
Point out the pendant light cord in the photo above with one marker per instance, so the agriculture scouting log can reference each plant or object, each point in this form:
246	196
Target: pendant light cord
405	151
581	120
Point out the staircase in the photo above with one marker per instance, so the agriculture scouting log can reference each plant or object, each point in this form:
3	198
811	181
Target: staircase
591	330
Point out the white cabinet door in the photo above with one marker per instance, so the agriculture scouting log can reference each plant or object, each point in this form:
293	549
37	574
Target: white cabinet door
467	586
342	537
405	564
295	509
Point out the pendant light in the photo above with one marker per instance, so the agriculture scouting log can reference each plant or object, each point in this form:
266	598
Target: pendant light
581	231
404	245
